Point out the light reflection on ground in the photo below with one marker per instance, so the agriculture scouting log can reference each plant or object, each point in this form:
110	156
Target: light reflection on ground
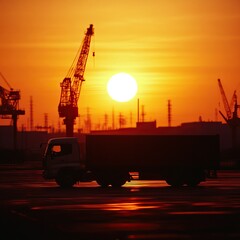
119	206
199	212
145	183
138	210
128	206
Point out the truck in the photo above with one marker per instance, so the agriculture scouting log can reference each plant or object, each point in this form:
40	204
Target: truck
113	160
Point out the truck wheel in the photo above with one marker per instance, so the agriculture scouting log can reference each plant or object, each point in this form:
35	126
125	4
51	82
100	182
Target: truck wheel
102	182
175	179
193	182
117	183
65	179
194	177
119	179
102	179
174	182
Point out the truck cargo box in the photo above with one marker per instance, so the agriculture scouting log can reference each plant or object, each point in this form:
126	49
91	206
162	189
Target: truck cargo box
138	152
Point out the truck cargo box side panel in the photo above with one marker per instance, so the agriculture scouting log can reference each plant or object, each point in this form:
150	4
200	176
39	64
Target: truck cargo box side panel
136	152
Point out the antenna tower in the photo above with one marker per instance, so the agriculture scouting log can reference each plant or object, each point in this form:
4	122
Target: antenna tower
31	113
169	113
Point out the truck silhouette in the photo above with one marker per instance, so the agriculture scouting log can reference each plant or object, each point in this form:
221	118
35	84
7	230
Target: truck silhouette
111	160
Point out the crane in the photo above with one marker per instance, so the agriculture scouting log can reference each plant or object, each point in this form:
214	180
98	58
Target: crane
9	106
231	109
72	83
225	102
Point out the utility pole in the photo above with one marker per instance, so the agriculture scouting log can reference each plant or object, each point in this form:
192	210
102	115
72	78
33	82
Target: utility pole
169	113
143	114
113	119
31	113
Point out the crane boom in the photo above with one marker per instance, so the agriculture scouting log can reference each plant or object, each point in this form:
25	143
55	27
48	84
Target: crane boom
71	85
225	101
233	101
5	80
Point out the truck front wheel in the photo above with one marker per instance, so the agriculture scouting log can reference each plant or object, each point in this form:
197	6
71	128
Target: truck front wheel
65	179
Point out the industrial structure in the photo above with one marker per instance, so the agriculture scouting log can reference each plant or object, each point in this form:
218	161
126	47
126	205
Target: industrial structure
169	113
9	106
231	109
71	85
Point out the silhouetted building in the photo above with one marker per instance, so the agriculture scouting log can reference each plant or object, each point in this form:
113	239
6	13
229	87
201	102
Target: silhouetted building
30	141
146	125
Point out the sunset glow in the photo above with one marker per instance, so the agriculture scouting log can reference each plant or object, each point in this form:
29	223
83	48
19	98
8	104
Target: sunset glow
174	49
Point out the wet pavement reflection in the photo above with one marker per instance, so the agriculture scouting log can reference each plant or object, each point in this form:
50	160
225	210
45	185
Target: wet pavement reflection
139	210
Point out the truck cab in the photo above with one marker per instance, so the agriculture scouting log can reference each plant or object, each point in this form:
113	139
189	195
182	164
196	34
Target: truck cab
63	161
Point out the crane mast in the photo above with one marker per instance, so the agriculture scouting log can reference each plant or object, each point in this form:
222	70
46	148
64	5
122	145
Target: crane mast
72	83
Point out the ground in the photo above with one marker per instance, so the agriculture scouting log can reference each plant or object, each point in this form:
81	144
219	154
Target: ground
33	208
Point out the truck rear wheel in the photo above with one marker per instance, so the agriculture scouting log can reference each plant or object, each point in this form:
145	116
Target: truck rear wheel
113	182
120	178
102	179
102	182
117	183
193	182
194	177
114	178
175	178
175	182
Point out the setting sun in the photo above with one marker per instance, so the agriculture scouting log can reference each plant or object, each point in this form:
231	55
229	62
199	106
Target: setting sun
122	87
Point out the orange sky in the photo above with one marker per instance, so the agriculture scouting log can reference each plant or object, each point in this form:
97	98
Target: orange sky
174	49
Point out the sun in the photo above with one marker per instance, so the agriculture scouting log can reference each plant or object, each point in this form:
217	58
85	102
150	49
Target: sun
122	87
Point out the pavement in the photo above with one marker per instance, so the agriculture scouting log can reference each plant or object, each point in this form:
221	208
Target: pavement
33	208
